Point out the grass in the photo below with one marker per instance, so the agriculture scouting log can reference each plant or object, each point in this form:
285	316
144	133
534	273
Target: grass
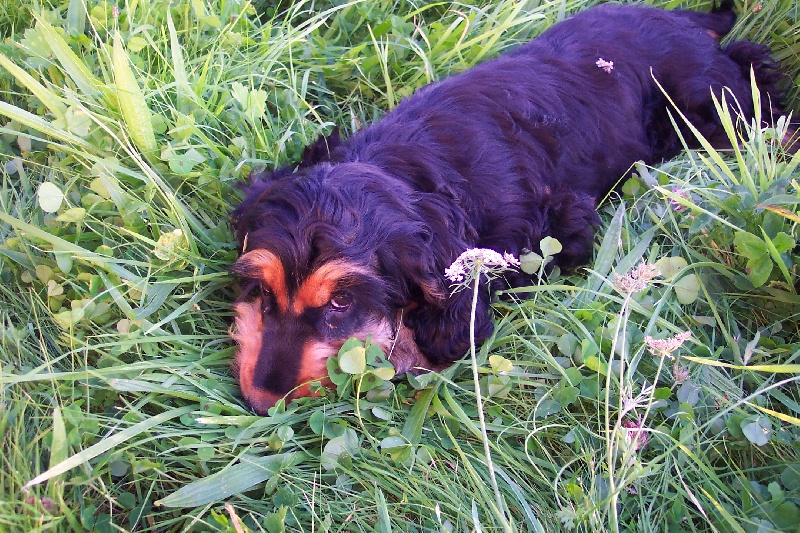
119	411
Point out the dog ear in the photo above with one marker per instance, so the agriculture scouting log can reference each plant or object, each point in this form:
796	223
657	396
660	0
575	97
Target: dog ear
410	259
442	334
439	319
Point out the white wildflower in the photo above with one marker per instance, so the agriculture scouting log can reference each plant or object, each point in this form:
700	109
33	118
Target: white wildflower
477	261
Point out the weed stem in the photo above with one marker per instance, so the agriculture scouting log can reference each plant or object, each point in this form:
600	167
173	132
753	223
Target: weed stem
479	400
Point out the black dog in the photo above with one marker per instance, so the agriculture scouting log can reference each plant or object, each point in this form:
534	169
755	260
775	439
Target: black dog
355	241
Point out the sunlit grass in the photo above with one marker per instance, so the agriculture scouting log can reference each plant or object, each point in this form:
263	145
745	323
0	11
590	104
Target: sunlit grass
116	391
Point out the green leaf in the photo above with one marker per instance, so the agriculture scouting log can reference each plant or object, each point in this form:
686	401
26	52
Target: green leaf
44	273
594	363
687	289
118	468
345	444
354	361
131	100
127	500
786	516
68	318
670	266
500	364
77	121
749	245
573	376
550	246
206	453
54	289
385	373
547	407
391	443
183	164
73	214
530	263
566	395
276	522
790	475
757	431
567	344
49	197
783	242
758	269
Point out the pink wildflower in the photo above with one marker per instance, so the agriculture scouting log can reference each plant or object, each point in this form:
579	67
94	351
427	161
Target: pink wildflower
634	435
608	66
665	347
637	279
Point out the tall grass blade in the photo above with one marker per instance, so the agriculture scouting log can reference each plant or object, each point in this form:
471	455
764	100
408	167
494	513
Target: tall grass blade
73	65
233	479
52	102
109	443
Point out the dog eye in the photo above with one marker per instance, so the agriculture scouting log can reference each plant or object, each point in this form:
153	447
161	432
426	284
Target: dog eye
266	299
341	302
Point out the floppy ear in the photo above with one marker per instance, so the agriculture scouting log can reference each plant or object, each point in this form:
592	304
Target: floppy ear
443	333
439	319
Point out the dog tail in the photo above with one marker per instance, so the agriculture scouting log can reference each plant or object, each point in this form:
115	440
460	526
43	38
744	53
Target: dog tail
717	23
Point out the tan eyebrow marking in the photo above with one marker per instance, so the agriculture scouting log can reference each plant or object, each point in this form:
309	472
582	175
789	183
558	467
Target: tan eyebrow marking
266	266
318	288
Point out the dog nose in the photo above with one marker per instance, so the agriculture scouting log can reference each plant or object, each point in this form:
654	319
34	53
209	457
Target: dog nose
261	400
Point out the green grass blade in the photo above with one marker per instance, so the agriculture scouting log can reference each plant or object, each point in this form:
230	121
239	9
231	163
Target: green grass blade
50	100
109	443
39	124
233	479
73	65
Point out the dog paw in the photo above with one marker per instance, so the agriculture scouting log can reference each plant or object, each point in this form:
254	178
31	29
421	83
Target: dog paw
572	219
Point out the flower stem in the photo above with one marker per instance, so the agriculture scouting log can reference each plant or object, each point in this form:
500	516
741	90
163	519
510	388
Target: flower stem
479	402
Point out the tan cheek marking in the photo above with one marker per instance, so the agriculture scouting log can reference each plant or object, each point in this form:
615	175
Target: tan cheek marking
270	269
317	289
247	335
314	367
314	361
402	350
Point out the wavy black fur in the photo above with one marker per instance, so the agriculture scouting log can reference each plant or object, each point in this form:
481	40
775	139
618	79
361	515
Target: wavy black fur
515	149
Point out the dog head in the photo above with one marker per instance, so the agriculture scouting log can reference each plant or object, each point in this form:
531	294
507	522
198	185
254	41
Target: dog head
327	253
